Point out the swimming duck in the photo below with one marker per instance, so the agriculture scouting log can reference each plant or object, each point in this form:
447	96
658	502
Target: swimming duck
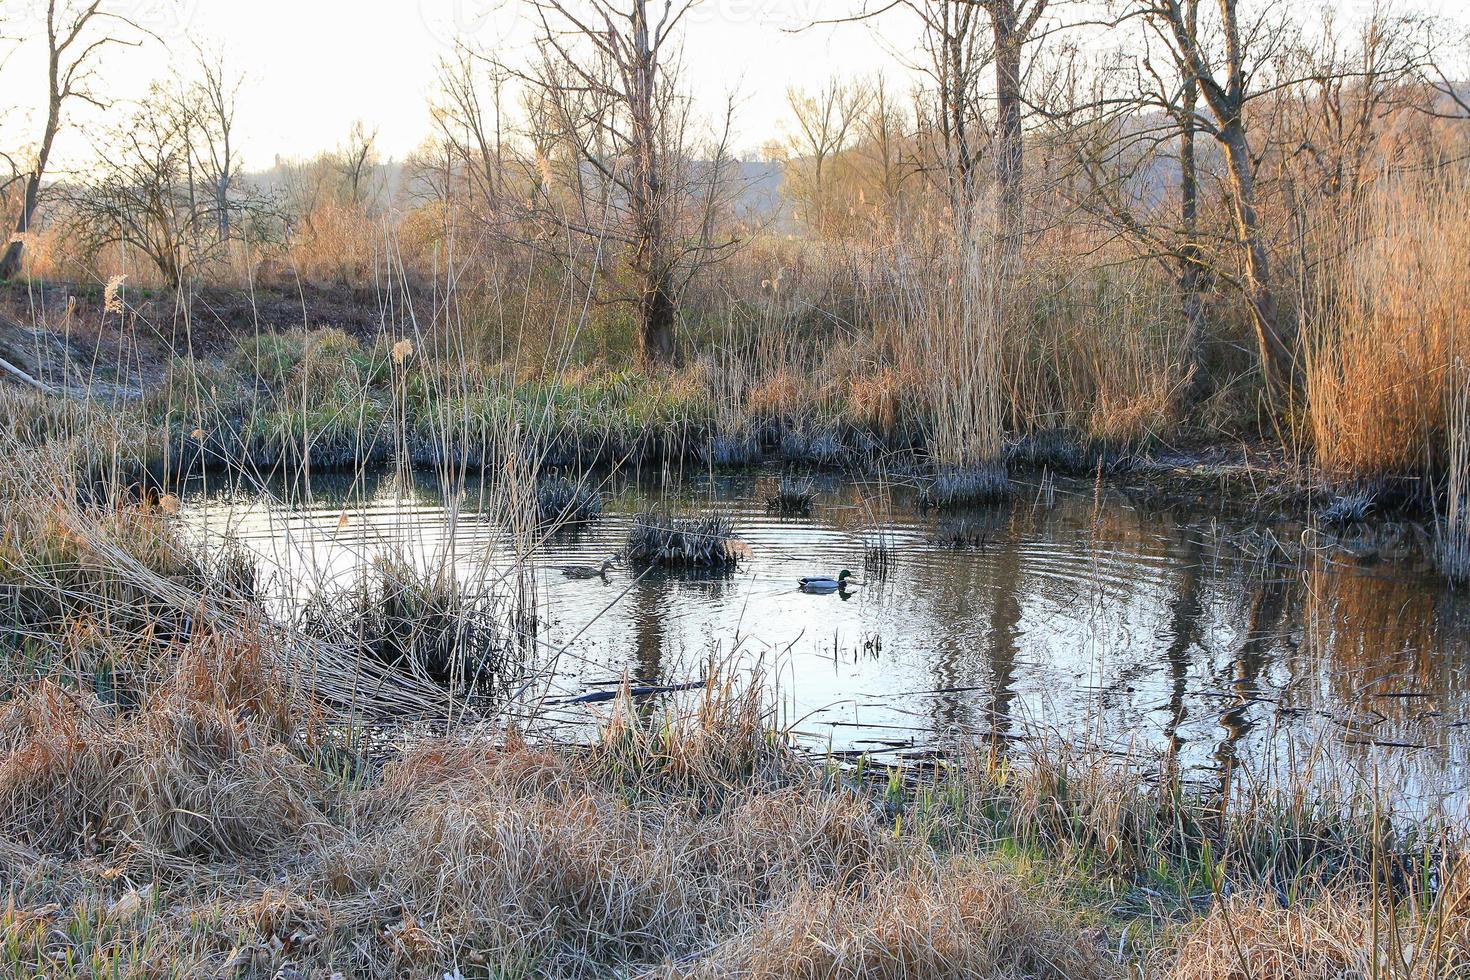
825	584
588	571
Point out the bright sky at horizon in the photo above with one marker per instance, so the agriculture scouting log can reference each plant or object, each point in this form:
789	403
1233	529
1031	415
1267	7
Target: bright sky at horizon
312	67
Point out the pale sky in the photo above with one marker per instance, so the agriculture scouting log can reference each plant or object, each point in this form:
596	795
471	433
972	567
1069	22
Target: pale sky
312	67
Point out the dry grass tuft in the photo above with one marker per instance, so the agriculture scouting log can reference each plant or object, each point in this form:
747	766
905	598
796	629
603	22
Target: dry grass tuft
1338	936
181	778
955	920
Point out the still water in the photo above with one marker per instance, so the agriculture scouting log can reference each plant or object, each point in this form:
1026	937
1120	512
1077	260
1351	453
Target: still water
1072	612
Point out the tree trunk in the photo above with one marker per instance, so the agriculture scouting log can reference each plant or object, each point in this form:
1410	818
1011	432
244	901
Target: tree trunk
10	264
1192	348
1010	154
656	319
1275	355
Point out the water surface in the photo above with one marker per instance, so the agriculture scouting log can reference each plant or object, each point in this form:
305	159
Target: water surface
1070	612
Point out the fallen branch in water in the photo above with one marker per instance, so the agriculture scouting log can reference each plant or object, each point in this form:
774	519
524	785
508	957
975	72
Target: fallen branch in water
596	697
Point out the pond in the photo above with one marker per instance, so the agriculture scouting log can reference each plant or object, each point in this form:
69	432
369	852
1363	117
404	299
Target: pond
1073	612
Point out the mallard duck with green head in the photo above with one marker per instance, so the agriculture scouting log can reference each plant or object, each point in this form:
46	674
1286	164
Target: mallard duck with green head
823	584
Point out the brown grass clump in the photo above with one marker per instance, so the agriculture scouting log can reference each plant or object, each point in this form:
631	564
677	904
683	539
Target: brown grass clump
888	402
1336	937
1126	418
1255	938
55	768
184	778
727	743
781	395
955	920
548	863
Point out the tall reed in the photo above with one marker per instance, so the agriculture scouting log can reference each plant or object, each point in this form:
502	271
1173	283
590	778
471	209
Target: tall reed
1454	536
1380	326
958	308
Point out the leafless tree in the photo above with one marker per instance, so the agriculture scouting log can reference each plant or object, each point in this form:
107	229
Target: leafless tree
148	191
470	118
76	35
826	121
357	160
1355	112
1227	79
1013	24
214	98
884	143
961	38
613	158
956	53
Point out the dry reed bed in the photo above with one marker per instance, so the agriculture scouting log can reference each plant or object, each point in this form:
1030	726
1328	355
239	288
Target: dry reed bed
1383	331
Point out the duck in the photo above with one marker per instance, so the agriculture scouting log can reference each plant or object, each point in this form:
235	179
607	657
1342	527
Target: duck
588	571
822	583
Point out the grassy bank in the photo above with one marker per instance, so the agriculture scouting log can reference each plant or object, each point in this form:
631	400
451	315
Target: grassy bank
197	836
326	399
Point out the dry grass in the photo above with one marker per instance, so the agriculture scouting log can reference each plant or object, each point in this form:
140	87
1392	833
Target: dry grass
183	777
960	919
1454	538
1334	937
691	840
1380	347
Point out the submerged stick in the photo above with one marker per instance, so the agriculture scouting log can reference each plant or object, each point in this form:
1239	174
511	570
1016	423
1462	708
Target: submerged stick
596	697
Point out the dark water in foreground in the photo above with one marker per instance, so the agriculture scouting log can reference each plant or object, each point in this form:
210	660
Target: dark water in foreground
1074	613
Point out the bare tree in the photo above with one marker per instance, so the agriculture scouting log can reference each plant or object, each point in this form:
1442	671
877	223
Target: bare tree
959	47
883	130
1355	111
77	33
1013	24
826	121
604	98
147	191
215	95
1225	77
956	54
357	160
470	116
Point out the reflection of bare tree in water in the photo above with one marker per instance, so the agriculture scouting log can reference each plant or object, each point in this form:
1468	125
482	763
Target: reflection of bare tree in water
649	631
956	589
1185	612
1005	630
1268	606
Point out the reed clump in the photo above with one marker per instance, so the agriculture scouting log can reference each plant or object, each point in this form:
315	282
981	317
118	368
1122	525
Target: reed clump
1453	546
1380	337
124	571
1323	939
560	500
793	495
663	540
972	486
421	620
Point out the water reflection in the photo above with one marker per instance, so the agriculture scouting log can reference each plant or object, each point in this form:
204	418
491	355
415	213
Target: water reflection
1092	615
